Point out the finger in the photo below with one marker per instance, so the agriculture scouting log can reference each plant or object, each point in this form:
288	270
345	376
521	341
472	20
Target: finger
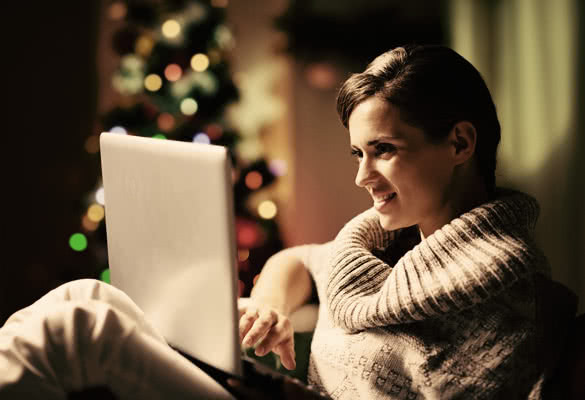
246	322
279	332
286	351
266	319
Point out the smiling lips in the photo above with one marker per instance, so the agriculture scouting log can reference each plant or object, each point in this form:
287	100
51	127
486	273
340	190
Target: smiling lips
381	201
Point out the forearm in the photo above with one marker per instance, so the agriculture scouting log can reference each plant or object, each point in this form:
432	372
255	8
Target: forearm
285	282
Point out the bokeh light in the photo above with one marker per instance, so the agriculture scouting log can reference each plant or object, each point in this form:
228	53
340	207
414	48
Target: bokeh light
152	82
117	10
159	136
171	28
100	196
78	242
267	209
255	279
92	144
165	122
243	254
199	62
96	212
105	276
248	233
219	3
201	138
321	76
89	225
214	131
144	45
189	106
253	180
119	129
277	167
173	72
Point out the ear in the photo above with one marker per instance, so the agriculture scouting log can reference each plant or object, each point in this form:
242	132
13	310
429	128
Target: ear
462	139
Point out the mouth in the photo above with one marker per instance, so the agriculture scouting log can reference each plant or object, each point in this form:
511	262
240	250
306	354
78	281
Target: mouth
381	201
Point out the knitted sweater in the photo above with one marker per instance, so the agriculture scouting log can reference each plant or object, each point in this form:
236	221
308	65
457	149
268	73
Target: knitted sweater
455	316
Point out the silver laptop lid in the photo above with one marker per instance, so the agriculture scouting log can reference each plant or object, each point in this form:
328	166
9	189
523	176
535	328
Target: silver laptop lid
171	240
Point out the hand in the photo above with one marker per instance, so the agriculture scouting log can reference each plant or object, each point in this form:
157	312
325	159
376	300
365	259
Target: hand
270	328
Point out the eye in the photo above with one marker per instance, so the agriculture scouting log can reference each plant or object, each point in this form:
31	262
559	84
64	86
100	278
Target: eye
383	148
356	154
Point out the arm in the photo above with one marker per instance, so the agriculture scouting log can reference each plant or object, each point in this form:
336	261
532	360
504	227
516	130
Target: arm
283	286
285	282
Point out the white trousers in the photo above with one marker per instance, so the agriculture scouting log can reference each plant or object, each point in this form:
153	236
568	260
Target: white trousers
87	333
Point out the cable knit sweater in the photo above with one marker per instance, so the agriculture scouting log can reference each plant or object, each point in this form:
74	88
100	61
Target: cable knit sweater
455	315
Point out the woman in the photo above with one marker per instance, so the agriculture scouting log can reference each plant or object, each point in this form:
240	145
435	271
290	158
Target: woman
437	291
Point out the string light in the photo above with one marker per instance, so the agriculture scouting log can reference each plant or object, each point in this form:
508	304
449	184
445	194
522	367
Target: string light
119	129
117	10
95	212
243	254
144	45
201	138
159	136
189	106
171	28
165	122
92	144
153	82
214	131
173	72
219	3
100	196
277	167
267	209
88	224
105	276
199	62
253	180
78	242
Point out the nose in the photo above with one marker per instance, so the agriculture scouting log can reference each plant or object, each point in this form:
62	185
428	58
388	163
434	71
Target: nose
365	174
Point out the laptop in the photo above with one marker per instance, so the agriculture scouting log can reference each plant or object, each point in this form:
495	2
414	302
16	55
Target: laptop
172	249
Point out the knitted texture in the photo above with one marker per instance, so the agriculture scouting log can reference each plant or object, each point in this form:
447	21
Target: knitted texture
453	317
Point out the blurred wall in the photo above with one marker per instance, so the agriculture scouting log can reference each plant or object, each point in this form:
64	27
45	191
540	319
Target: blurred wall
532	55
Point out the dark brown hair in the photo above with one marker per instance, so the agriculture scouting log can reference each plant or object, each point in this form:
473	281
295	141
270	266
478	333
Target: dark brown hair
434	88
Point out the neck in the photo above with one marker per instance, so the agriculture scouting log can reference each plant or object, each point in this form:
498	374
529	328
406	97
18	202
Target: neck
464	198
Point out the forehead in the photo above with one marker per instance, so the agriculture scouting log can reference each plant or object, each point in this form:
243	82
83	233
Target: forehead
375	117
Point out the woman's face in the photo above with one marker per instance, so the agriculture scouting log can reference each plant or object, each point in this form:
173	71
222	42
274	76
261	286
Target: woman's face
408	177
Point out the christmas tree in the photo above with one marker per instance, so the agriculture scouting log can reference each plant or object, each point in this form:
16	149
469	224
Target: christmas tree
174	83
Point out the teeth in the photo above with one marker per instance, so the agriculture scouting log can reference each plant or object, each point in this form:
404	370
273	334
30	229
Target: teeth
385	197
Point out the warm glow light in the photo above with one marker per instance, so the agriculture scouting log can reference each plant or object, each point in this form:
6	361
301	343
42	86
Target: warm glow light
95	212
219	3
165	122
189	106
201	138
173	72
88	224
152	82
78	242
267	209
214	131
144	45
199	62
92	144
243	254
321	76
100	196
277	167
253	180
117	10
171	28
